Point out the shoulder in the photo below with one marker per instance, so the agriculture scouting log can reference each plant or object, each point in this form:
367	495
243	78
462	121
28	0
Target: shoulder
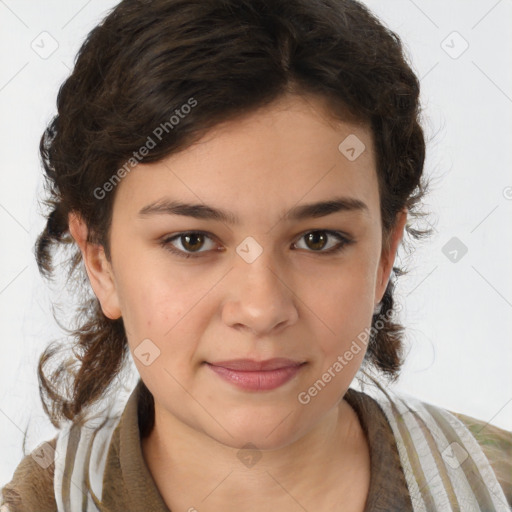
496	443
31	487
487	448
76	454
456	452
81	450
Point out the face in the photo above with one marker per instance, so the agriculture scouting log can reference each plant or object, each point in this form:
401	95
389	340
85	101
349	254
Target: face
232	317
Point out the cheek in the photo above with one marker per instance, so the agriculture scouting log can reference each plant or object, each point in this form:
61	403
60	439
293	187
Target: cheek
345	298
343	306
160	335
153	304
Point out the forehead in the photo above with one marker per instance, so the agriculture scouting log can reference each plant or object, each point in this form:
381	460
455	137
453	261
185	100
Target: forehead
289	152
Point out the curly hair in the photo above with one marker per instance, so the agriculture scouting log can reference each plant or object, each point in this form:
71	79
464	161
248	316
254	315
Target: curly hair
149	57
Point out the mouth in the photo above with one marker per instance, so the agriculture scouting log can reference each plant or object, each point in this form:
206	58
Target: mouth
254	375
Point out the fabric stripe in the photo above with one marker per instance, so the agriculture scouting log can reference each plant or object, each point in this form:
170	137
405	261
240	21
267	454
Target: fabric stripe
420	447
90	504
78	475
422	433
60	456
458	475
69	485
487	475
467	473
93	430
454	480
97	456
85	500
73	435
447	493
81	454
412	477
426	431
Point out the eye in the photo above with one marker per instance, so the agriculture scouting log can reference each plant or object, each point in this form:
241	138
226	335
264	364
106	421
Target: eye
319	239
191	242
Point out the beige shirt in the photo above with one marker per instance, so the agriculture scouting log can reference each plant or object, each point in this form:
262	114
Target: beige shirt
129	486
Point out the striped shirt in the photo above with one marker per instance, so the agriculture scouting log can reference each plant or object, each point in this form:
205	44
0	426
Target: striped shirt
422	458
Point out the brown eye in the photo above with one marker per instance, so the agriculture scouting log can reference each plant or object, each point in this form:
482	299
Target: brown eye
192	242
316	240
186	244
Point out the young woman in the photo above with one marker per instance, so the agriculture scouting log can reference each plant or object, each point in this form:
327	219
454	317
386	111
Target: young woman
234	178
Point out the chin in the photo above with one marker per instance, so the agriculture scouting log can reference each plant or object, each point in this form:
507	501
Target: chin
259	442
253	430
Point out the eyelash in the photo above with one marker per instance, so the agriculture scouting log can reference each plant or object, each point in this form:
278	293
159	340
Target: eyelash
344	241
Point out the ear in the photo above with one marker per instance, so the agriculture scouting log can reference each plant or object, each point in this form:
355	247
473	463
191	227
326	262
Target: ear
389	249
97	266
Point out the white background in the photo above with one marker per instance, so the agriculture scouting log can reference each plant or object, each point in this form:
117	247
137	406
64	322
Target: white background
458	315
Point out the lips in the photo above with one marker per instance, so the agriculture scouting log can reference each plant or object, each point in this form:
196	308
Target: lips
254	375
249	365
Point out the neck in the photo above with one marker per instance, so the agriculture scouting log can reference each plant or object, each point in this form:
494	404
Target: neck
307	469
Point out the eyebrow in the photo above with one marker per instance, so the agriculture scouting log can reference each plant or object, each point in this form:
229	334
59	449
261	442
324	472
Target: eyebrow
166	206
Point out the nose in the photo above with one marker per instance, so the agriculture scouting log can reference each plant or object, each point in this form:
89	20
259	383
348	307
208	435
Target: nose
260	300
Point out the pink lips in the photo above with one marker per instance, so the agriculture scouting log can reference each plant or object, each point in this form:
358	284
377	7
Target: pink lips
257	375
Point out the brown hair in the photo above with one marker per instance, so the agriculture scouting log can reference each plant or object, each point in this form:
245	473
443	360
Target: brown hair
148	58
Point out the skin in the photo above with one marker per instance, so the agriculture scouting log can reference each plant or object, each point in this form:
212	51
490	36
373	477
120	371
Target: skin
292	301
